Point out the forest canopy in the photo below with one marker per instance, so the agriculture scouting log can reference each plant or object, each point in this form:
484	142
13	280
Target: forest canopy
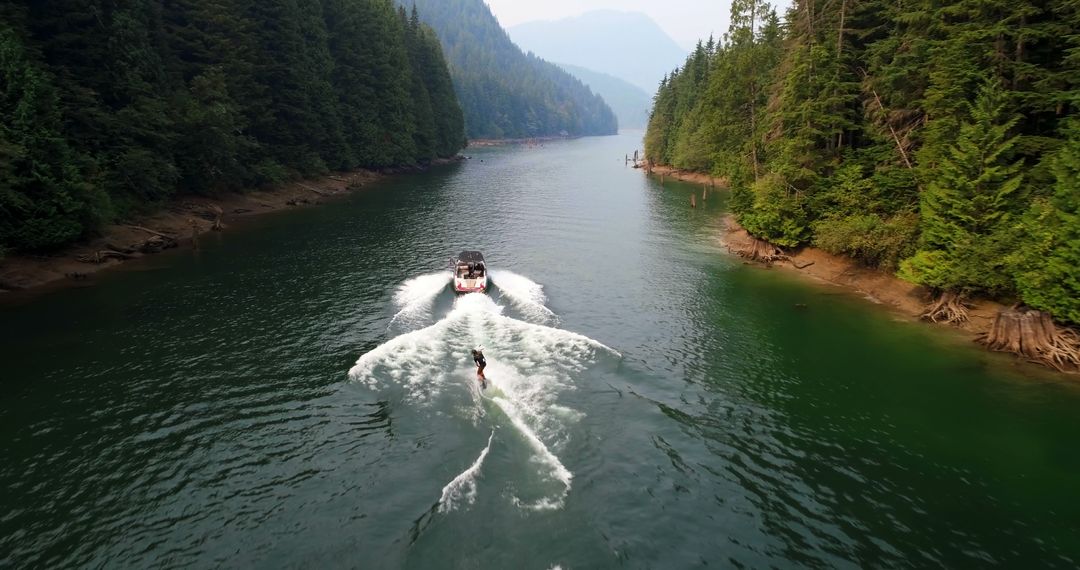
108	108
937	139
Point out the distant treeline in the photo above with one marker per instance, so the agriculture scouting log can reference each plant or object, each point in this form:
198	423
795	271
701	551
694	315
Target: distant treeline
504	92
940	139
109	107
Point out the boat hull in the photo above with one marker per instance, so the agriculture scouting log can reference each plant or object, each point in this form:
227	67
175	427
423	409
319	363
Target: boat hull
478	285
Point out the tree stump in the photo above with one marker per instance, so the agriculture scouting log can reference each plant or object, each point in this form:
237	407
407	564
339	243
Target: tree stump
1033	335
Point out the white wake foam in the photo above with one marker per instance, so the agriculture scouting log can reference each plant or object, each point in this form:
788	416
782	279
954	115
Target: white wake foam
553	468
531	364
525	294
415	297
463	487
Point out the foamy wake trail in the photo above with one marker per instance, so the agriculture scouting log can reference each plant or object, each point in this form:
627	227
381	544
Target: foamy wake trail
525	294
463	487
554	468
415	297
531	364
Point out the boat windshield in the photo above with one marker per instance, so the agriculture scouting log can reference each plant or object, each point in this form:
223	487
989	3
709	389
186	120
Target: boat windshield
470	270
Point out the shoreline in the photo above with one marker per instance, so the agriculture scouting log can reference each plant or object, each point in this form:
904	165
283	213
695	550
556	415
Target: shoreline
177	224
684	175
877	286
484	143
903	299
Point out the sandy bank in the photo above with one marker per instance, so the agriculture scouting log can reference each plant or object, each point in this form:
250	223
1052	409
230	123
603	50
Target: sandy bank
177	224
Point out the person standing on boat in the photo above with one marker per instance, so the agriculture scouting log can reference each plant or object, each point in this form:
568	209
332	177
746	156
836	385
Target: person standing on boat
481	363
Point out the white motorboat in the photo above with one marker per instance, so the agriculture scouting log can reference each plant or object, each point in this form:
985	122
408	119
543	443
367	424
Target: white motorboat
470	272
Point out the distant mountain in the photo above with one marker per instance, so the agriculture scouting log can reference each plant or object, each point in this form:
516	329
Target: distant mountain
628	45
630	102
504	92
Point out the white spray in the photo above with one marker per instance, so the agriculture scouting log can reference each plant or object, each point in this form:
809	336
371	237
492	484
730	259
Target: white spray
463	487
531	364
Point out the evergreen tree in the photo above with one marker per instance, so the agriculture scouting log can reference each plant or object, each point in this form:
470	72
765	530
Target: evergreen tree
877	138
43	201
1047	276
111	107
967	205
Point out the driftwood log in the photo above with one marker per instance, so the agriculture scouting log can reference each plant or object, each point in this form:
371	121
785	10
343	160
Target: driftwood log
101	256
1033	335
315	190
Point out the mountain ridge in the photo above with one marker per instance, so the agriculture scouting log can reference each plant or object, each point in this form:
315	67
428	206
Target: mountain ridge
627	45
505	92
630	103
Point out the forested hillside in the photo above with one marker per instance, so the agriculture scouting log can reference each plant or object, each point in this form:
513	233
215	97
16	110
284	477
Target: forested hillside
628	101
107	108
504	92
939	139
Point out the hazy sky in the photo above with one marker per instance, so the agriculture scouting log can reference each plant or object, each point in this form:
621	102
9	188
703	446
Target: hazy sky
684	20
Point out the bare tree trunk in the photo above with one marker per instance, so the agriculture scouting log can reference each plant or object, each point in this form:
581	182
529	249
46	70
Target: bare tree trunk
839	53
840	32
753	94
885	114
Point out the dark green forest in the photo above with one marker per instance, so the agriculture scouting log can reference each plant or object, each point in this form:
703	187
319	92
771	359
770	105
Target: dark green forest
938	139
110	107
504	92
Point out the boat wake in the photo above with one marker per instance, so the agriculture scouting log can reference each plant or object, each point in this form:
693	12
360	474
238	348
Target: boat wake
416	297
524	294
463	487
529	366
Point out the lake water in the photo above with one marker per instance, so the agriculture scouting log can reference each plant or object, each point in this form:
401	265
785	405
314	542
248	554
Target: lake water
299	394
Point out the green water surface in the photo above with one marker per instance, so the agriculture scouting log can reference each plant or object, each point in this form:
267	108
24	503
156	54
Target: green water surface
197	409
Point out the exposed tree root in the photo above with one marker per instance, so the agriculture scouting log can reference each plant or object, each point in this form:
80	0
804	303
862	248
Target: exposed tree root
761	251
950	308
1033	335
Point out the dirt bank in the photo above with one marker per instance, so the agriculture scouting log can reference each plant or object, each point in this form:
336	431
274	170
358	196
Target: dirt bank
878	286
177	224
686	176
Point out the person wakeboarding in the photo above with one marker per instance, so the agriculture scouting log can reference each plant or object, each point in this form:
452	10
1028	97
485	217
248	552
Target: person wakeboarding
481	363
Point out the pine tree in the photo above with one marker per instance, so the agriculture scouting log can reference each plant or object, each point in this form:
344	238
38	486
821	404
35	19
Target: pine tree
968	204
43	201
1047	276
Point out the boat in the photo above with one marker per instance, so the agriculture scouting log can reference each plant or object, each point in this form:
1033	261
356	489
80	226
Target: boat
470	272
